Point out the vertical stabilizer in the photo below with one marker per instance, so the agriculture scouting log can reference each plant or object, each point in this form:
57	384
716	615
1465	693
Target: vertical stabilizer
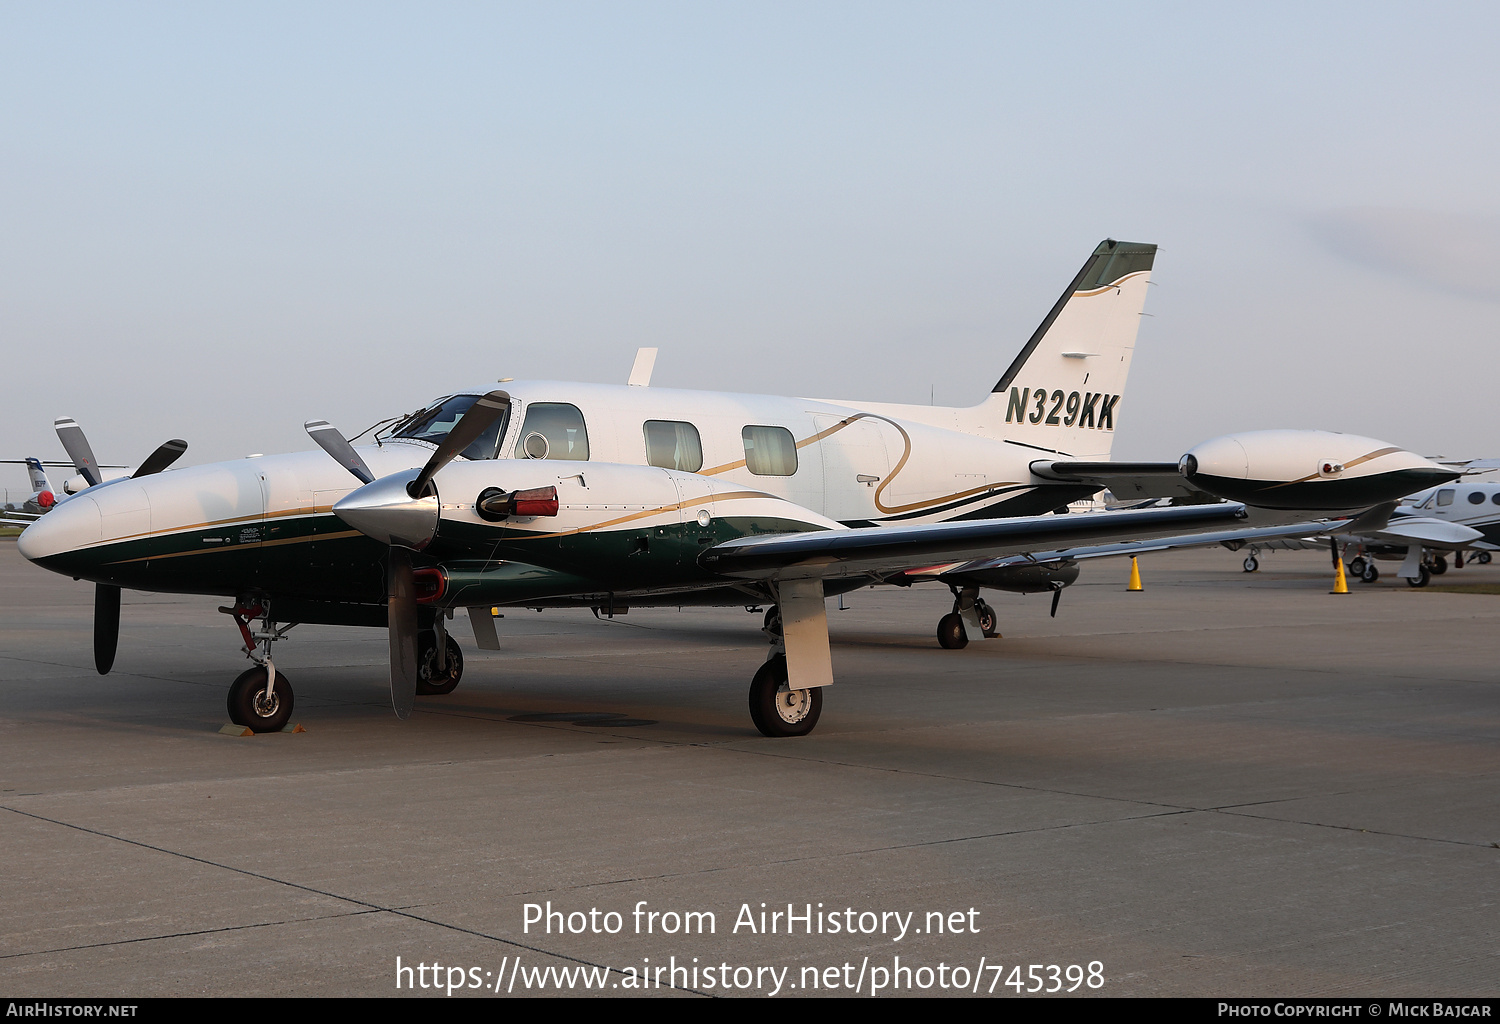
1063	393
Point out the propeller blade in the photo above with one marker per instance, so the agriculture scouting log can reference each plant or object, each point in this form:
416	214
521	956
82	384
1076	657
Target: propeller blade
1333	545
71	436
161	458
331	441
465	432
106	626
401	620
1056	597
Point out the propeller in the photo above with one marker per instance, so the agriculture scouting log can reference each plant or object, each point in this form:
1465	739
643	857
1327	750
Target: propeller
107	595
332	442
106	626
475	421
72	438
82	453
392	511
160	459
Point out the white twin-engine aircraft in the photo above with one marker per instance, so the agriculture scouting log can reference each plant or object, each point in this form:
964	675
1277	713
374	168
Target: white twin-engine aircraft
552	494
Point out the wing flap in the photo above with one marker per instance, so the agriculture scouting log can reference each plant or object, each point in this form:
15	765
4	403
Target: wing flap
883	551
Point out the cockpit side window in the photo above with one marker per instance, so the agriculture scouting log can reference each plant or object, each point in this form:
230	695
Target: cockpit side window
553	430
1445	497
433	424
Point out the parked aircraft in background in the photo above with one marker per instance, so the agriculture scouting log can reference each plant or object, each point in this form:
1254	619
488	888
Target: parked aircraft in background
551	494
41	498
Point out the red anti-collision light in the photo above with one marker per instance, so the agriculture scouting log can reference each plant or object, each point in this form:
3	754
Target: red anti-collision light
538	501
430	584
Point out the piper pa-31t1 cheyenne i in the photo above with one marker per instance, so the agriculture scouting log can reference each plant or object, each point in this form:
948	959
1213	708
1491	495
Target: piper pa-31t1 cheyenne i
559	494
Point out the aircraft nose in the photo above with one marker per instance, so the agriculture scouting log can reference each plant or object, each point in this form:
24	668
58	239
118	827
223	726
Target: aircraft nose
69	527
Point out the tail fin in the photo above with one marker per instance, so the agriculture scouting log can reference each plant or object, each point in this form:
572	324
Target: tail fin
1062	393
38	476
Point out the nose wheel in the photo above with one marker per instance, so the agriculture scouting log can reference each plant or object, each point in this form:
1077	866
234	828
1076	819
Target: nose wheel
257	707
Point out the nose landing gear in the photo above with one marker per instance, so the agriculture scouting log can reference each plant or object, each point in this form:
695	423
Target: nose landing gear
260	698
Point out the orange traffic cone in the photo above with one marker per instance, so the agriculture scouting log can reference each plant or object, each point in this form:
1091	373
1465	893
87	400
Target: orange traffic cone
1135	576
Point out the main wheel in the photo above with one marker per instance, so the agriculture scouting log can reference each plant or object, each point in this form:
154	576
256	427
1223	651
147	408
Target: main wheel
1251	563
250	705
951	633
1371	574
1439	565
1422	578
1357	566
430	681
778	710
1484	557
986	619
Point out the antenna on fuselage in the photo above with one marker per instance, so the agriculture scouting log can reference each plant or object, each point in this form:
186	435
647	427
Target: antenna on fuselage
640	373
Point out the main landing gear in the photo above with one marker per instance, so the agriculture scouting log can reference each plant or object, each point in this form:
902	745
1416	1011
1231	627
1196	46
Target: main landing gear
1362	568
440	664
1252	560
951	634
775	708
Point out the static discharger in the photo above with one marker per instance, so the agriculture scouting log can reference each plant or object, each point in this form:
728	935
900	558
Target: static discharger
1135	576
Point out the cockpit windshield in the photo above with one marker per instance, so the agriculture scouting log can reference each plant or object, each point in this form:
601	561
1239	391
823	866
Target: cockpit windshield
434	422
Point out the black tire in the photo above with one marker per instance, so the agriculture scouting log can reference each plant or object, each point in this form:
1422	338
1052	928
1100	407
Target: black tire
1484	557
1439	565
951	633
986	619
1357	566
431	682
778	711
1251	563
1422	578
248	707
1371	574
772	623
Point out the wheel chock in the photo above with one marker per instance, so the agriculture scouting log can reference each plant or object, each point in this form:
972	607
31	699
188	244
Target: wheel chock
230	729
1340	584
1135	576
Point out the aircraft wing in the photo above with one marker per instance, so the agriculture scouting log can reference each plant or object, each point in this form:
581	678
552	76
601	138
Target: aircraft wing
22	519
880	552
1128	481
1135	547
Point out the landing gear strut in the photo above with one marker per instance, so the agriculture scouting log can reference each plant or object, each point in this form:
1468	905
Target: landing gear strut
436	676
967	604
260	698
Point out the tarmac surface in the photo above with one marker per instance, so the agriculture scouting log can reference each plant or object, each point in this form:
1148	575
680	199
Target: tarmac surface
1229	784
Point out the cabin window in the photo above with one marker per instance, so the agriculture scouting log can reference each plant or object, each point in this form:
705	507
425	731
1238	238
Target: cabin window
672	444
1495	498
1445	497
770	451
553	430
1476	497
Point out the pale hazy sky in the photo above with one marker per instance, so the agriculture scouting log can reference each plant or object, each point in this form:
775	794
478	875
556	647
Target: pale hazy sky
218	221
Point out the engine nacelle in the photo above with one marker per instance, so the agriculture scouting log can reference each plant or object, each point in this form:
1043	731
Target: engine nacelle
1308	469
